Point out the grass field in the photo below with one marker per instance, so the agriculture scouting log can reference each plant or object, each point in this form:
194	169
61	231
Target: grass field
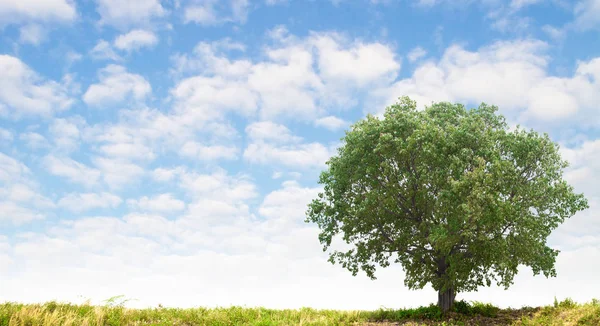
52	313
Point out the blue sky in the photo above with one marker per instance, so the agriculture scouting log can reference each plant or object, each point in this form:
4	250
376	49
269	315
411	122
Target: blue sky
166	150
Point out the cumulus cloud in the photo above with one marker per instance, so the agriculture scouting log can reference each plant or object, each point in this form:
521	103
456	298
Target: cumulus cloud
205	152
165	175
587	13
362	63
163	203
416	53
270	131
274	144
66	133
32	34
40	11
81	202
518	68
309	155
135	40
331	122
6	135
18	214
117	172
25	93
33	140
213	12
299	78
12	169
104	51
72	170
131	13
116	85
20	199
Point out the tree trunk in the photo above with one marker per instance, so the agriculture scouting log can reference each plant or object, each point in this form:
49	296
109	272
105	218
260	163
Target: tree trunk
446	299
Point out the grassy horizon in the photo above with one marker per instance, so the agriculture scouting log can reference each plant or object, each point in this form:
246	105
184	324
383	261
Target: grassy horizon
53	313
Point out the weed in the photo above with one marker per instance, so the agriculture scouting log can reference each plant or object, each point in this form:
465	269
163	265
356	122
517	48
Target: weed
114	313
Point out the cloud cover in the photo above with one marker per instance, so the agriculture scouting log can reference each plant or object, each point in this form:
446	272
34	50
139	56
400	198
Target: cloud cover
181	149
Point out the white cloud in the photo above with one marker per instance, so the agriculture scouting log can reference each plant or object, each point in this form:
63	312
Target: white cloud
584	163
81	202
213	12
135	40
104	51
34	140
416	53
116	85
204	152
11	169
554	32
25	193
141	135
309	155
163	203
297	79
519	69
20	199
288	203
65	133
209	98
270	131
74	171
128	150
6	135
35	10
71	57
218	185
32	34
203	15
331	122
165	175
274	144
587	14
24	93
18	214
131	13
116	172
361	63
210	58
518	4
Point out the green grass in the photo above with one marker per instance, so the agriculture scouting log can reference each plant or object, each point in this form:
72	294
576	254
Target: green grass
565	313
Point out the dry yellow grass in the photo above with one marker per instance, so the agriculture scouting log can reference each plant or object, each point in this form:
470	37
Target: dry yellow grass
565	313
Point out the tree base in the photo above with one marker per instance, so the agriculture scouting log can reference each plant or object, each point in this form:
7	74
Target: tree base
446	300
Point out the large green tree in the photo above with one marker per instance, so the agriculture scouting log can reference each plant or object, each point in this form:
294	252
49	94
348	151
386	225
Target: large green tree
451	194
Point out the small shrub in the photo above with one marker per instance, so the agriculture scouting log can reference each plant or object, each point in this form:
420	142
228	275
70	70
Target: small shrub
432	312
463	307
50	306
484	309
567	303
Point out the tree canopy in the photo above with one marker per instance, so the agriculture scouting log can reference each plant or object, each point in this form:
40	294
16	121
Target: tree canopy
452	194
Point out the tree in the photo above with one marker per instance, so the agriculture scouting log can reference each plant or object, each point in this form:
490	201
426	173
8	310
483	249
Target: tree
451	194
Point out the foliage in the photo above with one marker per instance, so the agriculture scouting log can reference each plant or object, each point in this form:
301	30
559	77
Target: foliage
476	308
431	312
62	314
453	195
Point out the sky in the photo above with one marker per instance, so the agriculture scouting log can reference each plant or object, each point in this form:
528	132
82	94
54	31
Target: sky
166	150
